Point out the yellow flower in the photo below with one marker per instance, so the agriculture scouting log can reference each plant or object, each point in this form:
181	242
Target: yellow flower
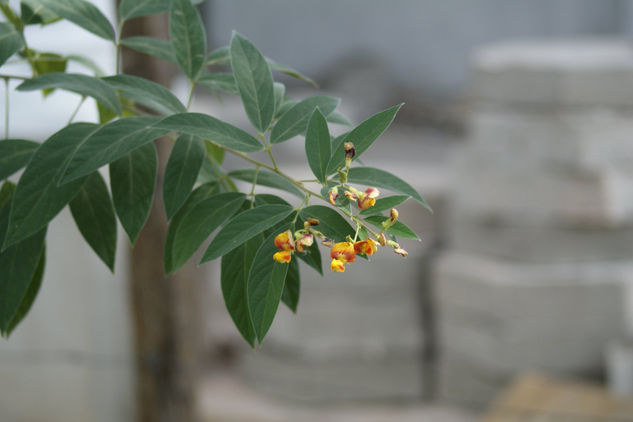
337	266
368	198
343	251
284	241
283	257
367	247
332	195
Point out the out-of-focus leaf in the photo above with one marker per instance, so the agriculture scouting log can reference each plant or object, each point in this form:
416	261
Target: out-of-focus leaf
383	204
32	12
290	72
218	56
339	118
10	41
292	286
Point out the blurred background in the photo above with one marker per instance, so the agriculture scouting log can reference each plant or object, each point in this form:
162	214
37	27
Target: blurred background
515	306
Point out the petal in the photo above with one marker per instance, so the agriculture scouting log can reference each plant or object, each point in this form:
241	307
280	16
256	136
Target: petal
337	266
283	257
284	241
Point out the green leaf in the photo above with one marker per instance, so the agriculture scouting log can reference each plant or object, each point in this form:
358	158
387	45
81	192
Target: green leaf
199	194
399	229
264	287
81	84
266	198
83	14
284	107
318	145
292	286
18	267
151	46
331	223
224	82
214	152
29	296
295	121
207	127
86	62
188	37
198	224
49	63
290	72
10	41
38	198
6	194
382	179
339	118
181	172
234	276
383	204
363	136
279	90
33	12
243	227
267	178
132	179
93	213
218	56
111	142
254	81
129	9
148	93
15	154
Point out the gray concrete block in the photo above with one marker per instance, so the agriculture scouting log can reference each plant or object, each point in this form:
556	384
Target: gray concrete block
536	243
559	73
393	378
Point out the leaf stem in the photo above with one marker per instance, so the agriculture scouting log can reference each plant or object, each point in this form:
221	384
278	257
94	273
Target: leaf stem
252	194
267	148
7	77
190	94
83	98
6	108
117	47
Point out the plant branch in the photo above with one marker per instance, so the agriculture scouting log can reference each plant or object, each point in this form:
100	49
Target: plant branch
6	108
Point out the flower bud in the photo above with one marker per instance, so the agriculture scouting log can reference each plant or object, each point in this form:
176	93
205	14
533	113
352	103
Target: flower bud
327	242
312	221
350	151
332	195
382	240
393	215
349	195
393	244
401	251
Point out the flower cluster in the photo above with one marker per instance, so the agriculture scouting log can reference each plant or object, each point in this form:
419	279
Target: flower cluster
287	243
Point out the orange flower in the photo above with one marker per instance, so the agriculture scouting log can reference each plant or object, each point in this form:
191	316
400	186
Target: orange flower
305	241
343	251
337	266
367	247
283	257
284	241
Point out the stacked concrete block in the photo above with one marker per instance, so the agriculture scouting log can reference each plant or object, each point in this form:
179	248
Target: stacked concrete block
541	228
